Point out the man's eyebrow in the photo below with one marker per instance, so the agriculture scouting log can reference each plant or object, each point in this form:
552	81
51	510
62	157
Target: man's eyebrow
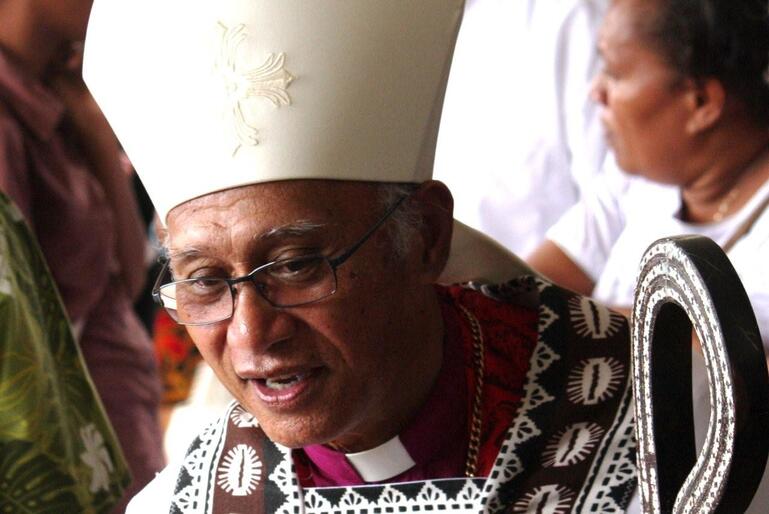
296	229
183	255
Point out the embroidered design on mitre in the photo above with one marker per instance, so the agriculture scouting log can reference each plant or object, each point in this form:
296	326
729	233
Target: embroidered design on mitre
270	80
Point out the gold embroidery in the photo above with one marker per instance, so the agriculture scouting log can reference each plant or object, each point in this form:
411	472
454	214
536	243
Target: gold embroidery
270	81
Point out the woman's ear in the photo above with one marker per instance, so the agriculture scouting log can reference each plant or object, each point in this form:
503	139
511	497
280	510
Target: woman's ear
436	207
707	101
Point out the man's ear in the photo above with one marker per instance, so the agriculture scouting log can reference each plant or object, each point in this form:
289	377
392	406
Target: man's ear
706	101
436	206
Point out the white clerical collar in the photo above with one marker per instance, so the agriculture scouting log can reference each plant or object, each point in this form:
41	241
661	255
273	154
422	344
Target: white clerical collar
383	462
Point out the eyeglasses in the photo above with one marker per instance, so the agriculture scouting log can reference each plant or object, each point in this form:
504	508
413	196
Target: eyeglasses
282	283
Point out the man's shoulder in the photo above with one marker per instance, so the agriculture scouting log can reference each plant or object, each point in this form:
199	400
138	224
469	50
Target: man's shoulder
521	292
156	496
543	309
525	291
575	398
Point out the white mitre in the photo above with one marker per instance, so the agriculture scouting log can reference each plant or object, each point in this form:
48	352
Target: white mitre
210	95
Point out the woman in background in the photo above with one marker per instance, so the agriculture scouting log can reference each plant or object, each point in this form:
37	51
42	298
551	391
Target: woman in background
685	105
59	162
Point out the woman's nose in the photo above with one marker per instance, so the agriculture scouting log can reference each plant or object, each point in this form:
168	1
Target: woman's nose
598	89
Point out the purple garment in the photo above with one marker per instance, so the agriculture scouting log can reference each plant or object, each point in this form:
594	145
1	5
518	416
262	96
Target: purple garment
436	439
42	172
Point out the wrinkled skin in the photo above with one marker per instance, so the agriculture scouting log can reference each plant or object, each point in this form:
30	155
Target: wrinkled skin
371	351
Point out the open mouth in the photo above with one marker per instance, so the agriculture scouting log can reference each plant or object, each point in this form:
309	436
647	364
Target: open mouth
278	384
288	389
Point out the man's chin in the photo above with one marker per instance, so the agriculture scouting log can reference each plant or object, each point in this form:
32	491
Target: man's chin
285	433
297	429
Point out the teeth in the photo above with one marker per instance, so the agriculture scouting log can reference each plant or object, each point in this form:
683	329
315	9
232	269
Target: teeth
283	382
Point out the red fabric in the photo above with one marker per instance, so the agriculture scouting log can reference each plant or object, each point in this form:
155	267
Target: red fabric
510	335
177	357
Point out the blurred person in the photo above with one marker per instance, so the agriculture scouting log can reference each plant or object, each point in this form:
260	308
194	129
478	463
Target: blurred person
685	105
520	141
59	162
306	241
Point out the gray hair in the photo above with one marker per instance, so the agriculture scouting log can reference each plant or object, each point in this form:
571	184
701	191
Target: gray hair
406	222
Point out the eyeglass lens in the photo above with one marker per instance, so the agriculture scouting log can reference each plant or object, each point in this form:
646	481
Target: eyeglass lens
286	283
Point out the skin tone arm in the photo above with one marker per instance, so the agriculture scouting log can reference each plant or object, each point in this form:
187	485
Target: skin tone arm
553	263
100	147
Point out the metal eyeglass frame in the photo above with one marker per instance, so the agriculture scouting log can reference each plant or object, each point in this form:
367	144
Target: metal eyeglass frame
333	263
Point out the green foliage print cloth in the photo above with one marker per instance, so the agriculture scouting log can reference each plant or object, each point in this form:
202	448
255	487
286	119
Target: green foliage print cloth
58	453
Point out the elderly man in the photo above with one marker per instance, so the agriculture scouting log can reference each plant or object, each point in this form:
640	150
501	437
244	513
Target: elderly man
288	148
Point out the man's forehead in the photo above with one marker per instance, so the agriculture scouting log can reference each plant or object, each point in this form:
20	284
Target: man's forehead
276	197
269	211
189	245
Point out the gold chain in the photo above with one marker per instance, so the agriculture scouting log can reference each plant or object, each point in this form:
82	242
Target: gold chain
473	447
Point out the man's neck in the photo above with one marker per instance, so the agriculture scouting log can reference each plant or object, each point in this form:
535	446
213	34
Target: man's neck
422	331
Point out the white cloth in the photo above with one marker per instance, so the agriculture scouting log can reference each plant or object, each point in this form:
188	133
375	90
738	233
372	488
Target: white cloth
156	496
383	462
607	232
290	90
208	398
247	92
519	137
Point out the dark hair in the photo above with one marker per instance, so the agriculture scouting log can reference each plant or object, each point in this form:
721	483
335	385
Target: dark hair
723	39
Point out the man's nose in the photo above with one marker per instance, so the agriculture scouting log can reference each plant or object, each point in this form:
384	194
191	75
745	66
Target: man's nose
256	324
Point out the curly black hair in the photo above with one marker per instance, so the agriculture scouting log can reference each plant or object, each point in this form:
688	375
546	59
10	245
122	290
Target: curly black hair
723	39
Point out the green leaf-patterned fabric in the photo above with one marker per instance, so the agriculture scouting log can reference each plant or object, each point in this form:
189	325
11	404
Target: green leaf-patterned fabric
58	452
